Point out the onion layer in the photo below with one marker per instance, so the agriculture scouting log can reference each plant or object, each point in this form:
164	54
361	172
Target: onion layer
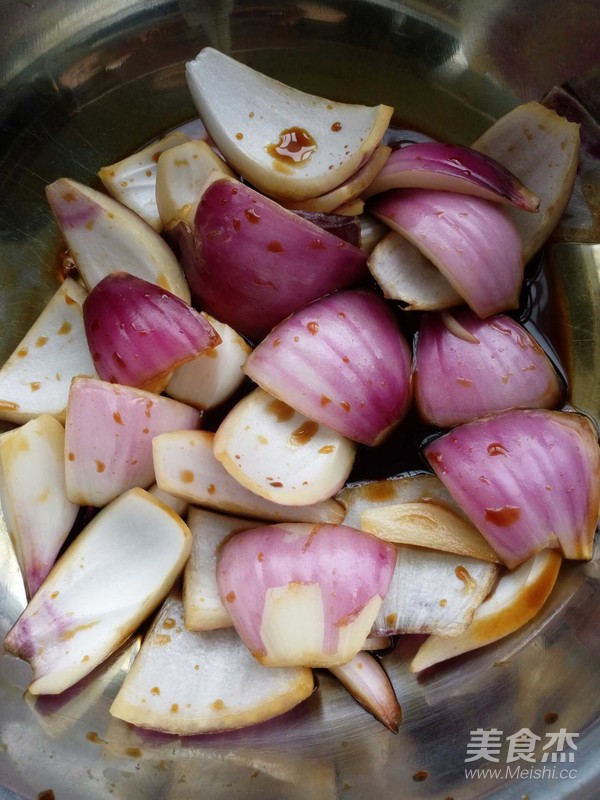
528	480
341	361
295	595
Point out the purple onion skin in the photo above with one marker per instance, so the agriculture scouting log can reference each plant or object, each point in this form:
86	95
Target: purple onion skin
341	361
256	262
470	240
350	566
137	331
457	380
526	478
450	167
345	228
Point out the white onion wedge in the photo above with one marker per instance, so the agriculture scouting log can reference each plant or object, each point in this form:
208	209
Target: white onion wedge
104	236
517	598
452	168
406	275
473	242
187	682
109	432
248	115
133	180
303	578
367	682
202	605
372	231
36	378
33	495
212	377
433	592
542	148
181	176
428	525
95	597
349	191
280	454
185	466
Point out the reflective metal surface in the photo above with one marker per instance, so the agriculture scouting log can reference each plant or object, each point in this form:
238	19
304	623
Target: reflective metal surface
84	83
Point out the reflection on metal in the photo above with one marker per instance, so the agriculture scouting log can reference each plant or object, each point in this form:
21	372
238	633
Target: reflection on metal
573	272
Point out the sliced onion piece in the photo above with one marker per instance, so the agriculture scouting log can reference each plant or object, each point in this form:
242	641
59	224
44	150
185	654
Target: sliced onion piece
254	262
35	380
104	236
343	226
405	274
132	181
350	189
213	376
368	682
180	179
33	495
374	643
542	148
185	466
372	231
282	455
353	208
528	479
202	605
497	365
341	361
139	333
433	592
178	505
452	168
303	578
516	599
109	432
427	525
471	241
248	115
188	683
108	581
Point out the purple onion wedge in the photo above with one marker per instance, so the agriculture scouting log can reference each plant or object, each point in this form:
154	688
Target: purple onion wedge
452	168
139	333
494	365
295	595
528	479
341	361
254	262
470	240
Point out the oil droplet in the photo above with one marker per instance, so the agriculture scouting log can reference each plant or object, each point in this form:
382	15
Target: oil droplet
239	136
420	776
326	449
218	705
496	449
312	327
550	718
275	247
100	466
325	400
337	126
303	433
463	575
133	752
280	410
295	146
155	690
230	597
117	418
93	737
211	488
503	517
252	216
186	476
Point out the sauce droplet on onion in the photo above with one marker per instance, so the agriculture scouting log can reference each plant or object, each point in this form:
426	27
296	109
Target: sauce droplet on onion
295	146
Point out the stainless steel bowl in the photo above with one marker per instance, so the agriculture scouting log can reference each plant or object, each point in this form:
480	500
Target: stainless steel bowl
83	83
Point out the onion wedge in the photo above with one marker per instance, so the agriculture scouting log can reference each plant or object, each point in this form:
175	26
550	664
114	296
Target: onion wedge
248	116
93	600
303	578
109	432
33	495
188	682
433	592
185	466
367	682
36	378
282	455
473	243
405	274
132	181
181	176
202	605
542	148
528	479
104	236
213	376
452	168
517	598
341	361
